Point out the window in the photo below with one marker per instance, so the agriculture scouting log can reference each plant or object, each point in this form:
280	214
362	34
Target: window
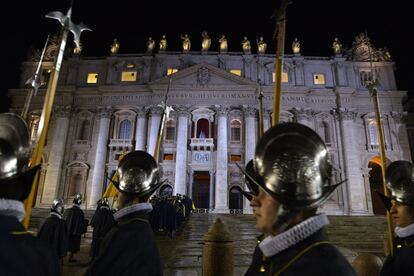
318	79
203	128
170	130
324	131
168	157
365	77
92	78
46	76
236	72
235	131
235	158
129	76
125	130
83	133
171	71
76	184
373	133
130	65
285	77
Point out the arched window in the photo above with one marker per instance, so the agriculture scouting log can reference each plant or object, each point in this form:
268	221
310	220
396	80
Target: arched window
324	131
203	128
235	199
373	134
235	131
75	184
84	130
125	130
170	130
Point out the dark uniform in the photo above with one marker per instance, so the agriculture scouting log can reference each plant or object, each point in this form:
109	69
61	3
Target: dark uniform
23	254
102	221
128	249
312	256
75	221
402	262
54	231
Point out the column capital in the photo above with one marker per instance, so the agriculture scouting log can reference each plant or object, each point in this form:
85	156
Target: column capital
104	112
249	111
398	116
302	113
156	110
61	111
345	114
142	112
222	110
182	111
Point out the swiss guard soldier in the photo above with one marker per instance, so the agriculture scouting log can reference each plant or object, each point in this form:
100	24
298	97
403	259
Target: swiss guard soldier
102	221
54	230
129	248
77	225
399	178
21	253
295	169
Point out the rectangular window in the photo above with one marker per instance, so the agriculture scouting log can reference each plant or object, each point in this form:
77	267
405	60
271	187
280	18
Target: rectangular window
130	65
45	76
235	134
92	78
235	158
171	71
365	77
318	79
129	76
285	77
236	72
168	157
170	133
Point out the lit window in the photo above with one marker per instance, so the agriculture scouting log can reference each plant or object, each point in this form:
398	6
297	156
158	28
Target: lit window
125	130
235	131
318	79
236	72
168	156
45	76
92	78
285	77
130	65
129	76
373	133
171	71
170	130
235	158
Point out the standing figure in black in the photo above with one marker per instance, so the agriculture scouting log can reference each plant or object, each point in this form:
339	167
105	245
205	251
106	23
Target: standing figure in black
21	253
102	221
54	230
129	248
399	177
77	225
295	170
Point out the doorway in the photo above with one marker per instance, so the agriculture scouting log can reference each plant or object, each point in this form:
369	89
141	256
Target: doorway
376	184
201	189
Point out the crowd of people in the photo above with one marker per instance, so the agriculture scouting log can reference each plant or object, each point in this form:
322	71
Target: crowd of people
288	179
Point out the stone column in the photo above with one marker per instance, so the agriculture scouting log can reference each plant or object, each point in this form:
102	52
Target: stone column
57	141
267	119
401	135
181	153
221	193
356	188
250	133
98	171
141	131
211	189
155	117
303	116
190	184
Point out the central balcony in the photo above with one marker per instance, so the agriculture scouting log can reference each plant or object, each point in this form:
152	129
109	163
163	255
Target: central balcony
201	144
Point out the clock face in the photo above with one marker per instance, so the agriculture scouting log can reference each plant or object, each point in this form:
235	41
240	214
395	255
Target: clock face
362	52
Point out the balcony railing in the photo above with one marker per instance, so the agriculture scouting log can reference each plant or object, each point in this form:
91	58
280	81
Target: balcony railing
202	143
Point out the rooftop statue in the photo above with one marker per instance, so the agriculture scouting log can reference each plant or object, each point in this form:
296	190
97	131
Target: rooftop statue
206	42
186	42
150	45
115	46
163	43
296	46
261	46
246	45
223	44
337	46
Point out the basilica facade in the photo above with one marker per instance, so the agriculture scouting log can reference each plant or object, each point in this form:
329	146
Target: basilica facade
107	106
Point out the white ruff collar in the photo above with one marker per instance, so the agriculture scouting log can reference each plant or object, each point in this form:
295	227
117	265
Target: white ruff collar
12	208
272	245
133	208
56	214
404	232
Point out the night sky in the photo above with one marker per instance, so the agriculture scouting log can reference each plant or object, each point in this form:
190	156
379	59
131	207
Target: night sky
315	23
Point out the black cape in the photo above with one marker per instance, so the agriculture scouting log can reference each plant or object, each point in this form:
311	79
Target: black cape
324	259
402	262
77	225
102	221
54	232
128	249
23	254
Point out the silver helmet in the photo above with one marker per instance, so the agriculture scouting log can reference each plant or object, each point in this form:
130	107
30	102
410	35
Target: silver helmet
58	206
138	174
77	199
15	175
295	169
399	177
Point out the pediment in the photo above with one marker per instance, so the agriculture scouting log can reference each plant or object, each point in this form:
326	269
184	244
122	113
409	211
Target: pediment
203	75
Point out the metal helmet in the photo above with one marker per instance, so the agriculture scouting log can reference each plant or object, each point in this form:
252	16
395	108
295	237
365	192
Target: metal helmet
77	199
14	146
294	165
104	202
399	177
58	206
138	174
252	172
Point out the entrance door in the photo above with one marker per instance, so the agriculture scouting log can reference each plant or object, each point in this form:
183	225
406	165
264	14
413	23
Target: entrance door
235	199
375	181
201	189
